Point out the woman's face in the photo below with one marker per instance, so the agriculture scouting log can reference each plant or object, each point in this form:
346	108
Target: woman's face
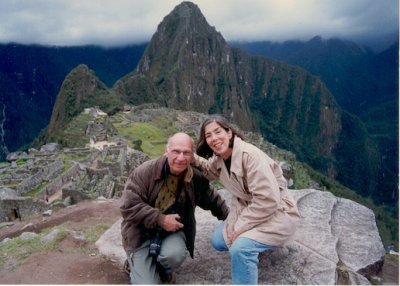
217	139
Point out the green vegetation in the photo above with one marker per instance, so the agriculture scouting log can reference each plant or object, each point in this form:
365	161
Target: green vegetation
74	156
165	124
222	85
358	158
21	161
32	193
73	135
93	233
149	137
153	138
19	248
301	177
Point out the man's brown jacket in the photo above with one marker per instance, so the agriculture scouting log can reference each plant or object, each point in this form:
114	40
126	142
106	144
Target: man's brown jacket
140	216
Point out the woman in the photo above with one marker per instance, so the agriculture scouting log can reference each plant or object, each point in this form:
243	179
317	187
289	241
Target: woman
263	214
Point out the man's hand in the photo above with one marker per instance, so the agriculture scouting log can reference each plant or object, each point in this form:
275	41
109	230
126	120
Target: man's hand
170	222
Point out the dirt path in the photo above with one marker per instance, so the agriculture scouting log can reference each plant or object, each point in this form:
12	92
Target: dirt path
75	261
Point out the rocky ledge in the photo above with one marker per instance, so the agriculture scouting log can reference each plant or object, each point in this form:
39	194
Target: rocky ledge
337	242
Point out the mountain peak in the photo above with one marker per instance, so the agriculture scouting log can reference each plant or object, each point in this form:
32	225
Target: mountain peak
184	59
186	9
185	19
187	12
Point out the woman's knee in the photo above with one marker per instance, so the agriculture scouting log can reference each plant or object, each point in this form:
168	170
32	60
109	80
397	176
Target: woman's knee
247	249
218	243
238	250
217	239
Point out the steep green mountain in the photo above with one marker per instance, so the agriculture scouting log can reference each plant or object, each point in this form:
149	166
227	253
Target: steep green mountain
363	82
80	89
188	65
31	76
191	67
353	74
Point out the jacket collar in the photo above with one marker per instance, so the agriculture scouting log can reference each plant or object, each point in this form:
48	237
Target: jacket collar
237	156
158	173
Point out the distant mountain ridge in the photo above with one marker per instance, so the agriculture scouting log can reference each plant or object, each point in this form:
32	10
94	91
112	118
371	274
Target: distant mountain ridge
354	74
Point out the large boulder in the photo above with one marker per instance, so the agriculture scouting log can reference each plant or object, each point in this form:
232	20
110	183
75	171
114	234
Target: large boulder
7	193
337	242
51	147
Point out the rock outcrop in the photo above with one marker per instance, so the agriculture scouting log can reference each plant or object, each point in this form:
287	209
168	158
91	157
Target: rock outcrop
337	242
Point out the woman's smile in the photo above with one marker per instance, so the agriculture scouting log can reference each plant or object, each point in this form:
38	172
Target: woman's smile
218	139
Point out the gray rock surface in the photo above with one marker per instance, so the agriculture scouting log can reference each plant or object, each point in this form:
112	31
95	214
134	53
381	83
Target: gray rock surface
13	156
337	242
110	243
7	193
50	147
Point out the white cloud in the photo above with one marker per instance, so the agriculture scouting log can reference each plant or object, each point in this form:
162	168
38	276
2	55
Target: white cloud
76	22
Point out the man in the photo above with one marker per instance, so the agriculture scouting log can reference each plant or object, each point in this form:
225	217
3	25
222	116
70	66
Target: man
159	201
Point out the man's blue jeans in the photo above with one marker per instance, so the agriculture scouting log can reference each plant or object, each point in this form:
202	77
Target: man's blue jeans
244	256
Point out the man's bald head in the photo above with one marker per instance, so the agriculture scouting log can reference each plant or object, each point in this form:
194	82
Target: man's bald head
179	152
180	137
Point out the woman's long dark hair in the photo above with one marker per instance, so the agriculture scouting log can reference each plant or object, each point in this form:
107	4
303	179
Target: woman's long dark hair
202	148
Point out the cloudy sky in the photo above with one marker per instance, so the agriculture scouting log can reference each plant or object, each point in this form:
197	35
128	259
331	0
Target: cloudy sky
119	22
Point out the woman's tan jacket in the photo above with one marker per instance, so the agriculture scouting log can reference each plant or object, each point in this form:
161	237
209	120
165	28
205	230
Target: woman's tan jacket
262	209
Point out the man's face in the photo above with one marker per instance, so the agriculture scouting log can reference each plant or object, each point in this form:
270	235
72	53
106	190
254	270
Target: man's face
179	153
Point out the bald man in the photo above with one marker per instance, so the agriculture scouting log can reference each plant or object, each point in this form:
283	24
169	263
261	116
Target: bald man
159	198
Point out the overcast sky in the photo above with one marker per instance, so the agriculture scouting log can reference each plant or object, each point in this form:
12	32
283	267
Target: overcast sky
120	22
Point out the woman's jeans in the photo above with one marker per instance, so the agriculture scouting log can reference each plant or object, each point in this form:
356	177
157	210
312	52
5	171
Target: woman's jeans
244	256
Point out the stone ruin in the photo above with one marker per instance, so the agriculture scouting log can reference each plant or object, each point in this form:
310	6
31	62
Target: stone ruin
41	179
